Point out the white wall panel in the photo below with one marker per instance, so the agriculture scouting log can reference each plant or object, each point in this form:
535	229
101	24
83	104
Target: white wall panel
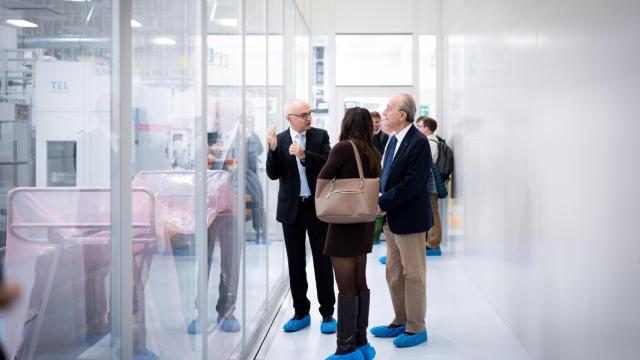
374	16
541	112
616	249
427	22
451	9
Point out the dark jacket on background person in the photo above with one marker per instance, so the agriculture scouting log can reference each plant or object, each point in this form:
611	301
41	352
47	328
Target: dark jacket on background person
282	166
380	141
406	198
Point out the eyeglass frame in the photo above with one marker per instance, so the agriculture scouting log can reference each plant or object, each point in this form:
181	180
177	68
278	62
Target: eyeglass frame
303	115
388	110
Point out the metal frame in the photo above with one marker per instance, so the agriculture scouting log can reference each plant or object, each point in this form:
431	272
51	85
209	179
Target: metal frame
20	97
121	214
202	282
242	167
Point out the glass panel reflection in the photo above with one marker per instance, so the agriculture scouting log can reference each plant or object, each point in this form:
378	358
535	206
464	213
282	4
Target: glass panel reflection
164	93
226	153
55	212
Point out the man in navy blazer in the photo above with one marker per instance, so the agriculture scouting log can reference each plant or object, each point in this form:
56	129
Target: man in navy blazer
405	203
295	158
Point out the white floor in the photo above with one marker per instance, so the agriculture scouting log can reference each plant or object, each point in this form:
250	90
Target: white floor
460	322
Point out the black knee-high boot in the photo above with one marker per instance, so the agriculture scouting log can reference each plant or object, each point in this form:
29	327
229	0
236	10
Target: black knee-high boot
363	317
347	318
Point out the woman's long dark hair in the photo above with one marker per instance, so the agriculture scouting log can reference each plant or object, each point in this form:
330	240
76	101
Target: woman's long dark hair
357	126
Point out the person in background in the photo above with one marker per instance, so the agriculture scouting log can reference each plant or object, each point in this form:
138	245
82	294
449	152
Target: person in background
380	138
221	231
404	201
295	158
349	244
427	127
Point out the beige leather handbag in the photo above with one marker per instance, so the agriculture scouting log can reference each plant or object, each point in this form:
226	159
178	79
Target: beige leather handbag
347	201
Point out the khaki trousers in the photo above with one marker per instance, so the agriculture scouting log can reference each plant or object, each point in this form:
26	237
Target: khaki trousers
434	236
407	278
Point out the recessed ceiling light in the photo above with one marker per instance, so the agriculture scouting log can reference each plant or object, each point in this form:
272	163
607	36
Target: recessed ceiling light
22	23
230	22
164	41
135	23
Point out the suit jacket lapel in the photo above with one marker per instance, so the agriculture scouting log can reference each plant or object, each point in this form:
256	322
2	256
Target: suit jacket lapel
309	141
286	143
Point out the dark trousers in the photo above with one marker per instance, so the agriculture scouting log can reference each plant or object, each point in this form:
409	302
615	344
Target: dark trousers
221	230
294	239
97	262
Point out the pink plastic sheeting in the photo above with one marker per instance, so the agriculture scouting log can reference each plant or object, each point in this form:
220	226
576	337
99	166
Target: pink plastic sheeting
175	199
47	228
58	250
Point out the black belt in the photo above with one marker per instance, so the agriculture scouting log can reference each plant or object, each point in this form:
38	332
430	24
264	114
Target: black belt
305	199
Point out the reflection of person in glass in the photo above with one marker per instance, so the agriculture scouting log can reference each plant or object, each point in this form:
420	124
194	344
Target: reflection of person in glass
221	230
295	158
253	185
98	262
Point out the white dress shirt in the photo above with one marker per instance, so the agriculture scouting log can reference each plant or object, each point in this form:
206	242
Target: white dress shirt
399	136
301	139
433	143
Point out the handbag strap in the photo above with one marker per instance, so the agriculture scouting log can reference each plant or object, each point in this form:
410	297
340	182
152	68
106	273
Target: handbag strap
358	161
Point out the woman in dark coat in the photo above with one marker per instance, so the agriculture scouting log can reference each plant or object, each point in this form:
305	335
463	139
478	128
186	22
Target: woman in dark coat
349	244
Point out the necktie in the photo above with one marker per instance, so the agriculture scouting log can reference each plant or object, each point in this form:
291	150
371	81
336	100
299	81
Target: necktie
304	184
388	160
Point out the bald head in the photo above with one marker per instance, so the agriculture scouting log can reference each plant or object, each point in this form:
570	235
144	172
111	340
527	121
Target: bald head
295	106
298	114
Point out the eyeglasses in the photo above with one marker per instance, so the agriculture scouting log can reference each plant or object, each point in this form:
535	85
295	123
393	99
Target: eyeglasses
388	110
303	115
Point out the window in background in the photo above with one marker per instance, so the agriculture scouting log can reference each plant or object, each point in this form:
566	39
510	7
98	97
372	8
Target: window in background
374	60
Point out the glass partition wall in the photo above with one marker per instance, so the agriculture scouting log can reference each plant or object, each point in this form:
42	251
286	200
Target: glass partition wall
135	212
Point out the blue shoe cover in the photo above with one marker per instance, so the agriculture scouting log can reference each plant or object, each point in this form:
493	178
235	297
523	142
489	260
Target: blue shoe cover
387	332
194	327
383	260
354	355
368	352
328	327
405	340
146	356
230	325
434	252
297	325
